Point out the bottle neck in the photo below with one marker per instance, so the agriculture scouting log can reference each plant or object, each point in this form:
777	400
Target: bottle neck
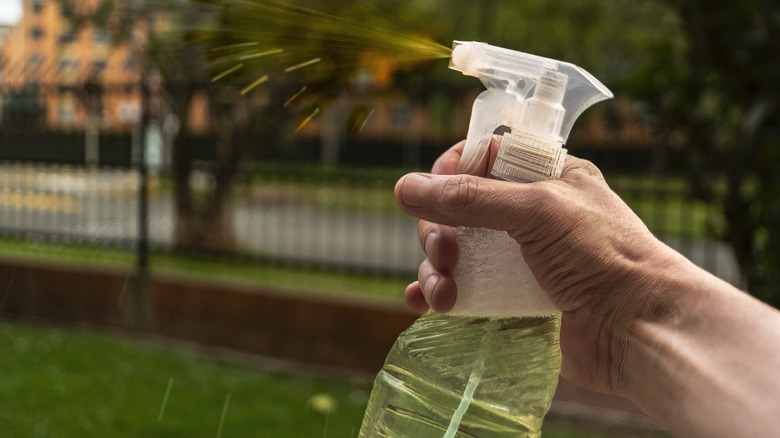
526	157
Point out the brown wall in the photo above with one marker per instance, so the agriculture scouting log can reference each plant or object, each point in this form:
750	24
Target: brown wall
316	330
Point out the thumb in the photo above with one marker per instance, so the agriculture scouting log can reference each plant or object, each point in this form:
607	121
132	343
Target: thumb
468	200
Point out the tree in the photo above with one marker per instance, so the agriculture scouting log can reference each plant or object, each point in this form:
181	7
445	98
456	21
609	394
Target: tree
197	48
203	219
715	93
174	72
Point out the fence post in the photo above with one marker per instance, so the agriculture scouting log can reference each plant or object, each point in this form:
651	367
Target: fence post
138	313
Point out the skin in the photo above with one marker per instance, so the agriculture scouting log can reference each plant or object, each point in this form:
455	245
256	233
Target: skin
697	355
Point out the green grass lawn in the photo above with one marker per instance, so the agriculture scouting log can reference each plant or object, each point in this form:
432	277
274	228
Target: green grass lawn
67	383
73	383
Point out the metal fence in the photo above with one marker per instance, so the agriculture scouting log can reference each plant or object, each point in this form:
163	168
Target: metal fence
345	221
67	185
690	225
341	223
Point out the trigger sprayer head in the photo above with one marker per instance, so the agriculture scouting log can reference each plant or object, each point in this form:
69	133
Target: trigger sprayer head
537	98
521	75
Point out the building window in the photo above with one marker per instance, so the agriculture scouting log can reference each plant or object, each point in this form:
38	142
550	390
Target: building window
67	10
100	36
36	33
128	112
35	60
66	64
99	65
402	116
67	116
68	34
37	7
67	37
130	63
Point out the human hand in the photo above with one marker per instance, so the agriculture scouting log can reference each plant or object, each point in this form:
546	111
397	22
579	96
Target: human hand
639	319
586	248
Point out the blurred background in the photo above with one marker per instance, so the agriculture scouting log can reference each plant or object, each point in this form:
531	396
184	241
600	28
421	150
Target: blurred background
197	225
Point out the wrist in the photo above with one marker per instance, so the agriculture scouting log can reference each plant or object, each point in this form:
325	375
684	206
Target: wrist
682	349
645	308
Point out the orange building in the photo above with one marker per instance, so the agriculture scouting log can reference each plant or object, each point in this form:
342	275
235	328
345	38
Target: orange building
72	65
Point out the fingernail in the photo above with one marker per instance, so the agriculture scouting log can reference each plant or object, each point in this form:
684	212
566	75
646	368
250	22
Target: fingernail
430	283
414	188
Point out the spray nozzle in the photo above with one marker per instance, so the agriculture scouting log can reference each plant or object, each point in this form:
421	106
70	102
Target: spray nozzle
536	98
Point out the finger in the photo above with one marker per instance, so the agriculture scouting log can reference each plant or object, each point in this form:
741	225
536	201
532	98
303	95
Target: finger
439	243
447	163
438	287
415	299
575	167
469	200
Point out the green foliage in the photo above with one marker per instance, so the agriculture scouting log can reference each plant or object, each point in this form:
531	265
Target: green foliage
715	96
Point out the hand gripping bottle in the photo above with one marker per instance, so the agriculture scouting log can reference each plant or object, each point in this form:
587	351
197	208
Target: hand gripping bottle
489	368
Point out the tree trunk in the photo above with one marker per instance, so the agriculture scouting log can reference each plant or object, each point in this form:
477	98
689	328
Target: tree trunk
203	213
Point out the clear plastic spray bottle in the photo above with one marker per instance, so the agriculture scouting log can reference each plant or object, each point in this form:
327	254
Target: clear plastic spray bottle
489	368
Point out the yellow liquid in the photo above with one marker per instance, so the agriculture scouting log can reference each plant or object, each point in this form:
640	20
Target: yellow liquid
465	376
316	45
259	40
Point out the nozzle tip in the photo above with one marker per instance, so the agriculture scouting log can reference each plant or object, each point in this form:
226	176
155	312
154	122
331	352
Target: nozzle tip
461	52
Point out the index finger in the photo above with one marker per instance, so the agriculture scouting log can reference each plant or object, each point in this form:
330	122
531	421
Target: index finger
447	163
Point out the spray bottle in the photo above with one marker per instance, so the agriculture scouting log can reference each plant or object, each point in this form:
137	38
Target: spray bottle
489	368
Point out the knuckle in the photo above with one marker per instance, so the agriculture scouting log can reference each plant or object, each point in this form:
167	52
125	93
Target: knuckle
459	192
581	167
590	168
423	271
